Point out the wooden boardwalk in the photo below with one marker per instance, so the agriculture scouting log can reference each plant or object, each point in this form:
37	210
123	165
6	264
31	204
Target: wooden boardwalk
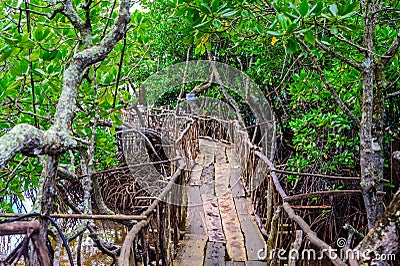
220	227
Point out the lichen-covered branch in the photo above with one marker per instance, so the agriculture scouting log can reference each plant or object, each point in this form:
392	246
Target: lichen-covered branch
31	141
83	27
73	74
70	12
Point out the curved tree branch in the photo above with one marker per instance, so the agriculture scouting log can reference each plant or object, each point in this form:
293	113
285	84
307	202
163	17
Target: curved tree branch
82	60
339	56
31	141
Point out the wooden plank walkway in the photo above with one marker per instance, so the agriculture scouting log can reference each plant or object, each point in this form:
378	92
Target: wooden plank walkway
220	227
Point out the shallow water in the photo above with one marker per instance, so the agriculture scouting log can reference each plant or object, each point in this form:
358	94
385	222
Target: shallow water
90	255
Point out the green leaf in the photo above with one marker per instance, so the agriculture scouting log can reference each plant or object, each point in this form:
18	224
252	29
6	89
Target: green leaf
35	55
205	8
13	86
46	33
292	6
292	46
275	33
38	72
303	8
309	37
350	8
112	129
333	9
318	7
291	27
204	24
15	70
49	56
214	5
221	7
245	13
229	13
203	49
334	30
197	50
6	52
24	65
109	98
239	26
139	17
27	44
259	29
217	23
38	34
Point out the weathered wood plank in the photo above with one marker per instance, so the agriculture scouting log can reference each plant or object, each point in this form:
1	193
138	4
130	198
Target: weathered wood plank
213	218
236	184
235	181
254	240
195	175
222	176
235	263
195	220
235	244
207	180
219	152
241	205
191	251
256	263
215	254
207	148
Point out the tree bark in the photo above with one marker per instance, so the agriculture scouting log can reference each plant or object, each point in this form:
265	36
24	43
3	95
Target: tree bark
371	133
384	238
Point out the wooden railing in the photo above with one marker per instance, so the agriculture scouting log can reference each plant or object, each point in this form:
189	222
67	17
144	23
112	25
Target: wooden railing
268	196
159	233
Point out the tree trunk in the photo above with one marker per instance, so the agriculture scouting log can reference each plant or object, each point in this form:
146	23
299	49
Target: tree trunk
371	133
